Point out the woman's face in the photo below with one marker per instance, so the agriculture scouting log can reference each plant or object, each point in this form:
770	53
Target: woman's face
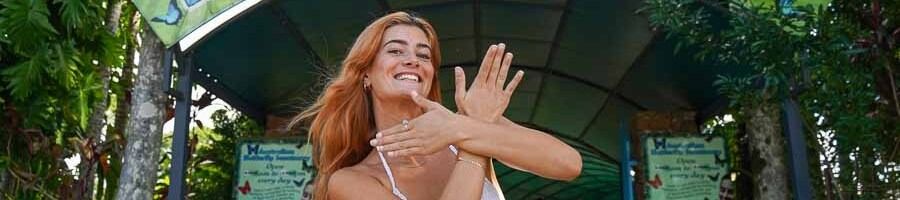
403	64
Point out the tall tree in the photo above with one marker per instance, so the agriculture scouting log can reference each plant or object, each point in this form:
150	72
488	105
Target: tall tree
115	143
769	170
144	129
98	117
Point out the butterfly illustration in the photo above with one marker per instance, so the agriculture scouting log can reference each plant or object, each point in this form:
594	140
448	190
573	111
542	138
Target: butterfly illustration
191	3
172	16
245	189
252	149
656	182
299	184
721	161
714	177
659	142
306	166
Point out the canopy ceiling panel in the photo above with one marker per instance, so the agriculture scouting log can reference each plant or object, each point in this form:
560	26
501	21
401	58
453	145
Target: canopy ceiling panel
519	21
454	24
232	59
407	4
654	77
606	125
330	27
567	106
590	64
599	44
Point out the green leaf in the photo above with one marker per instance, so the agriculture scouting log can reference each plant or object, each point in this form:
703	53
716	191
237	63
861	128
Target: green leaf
4	162
27	24
25	77
65	68
82	16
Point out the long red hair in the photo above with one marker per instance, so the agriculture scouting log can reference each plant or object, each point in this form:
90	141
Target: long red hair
341	117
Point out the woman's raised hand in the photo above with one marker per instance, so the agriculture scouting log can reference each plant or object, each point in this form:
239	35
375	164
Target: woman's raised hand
487	99
424	135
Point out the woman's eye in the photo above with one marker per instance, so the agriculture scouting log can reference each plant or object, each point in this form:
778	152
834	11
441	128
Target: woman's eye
395	52
424	56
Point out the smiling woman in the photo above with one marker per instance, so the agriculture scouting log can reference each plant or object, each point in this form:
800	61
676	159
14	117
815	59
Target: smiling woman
422	150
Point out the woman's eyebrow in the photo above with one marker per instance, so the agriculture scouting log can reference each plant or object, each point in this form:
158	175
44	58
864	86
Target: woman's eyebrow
421	45
399	41
403	42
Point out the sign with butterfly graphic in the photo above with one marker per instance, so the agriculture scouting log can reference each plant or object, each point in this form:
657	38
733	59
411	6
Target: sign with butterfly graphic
684	167
172	20
273	169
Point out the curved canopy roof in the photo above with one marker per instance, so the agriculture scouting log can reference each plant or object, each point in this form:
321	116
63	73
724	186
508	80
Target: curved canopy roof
590	64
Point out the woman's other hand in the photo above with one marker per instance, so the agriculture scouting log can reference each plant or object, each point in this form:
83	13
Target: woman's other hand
487	99
424	135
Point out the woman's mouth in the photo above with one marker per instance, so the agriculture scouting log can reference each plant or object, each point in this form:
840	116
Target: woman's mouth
406	76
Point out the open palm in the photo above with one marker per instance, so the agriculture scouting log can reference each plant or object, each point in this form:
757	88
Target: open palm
487	99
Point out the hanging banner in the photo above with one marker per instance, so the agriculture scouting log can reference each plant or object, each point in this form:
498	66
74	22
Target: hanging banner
172	20
273	169
684	167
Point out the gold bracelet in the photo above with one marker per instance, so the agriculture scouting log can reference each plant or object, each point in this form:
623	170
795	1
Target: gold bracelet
470	161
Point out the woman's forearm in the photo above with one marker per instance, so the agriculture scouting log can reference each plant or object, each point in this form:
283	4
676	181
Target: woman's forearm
520	147
467	177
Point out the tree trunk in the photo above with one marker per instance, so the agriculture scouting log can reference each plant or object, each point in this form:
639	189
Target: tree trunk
98	113
770	174
144	131
123	103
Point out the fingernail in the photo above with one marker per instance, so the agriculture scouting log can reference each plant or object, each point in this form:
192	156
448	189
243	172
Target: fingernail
380	148
502	45
458	68
391	154
414	94
373	142
378	135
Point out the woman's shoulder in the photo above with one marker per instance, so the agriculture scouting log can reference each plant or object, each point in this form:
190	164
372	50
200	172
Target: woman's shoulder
352	182
355	173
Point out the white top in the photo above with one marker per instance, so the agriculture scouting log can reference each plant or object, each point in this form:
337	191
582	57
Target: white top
487	193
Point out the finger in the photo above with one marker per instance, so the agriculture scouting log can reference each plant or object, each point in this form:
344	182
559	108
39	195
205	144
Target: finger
428	105
460	88
391	139
412	151
515	82
504	69
495	67
400	146
485	67
396	129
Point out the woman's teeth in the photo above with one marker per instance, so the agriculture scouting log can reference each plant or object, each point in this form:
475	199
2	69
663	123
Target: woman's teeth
404	77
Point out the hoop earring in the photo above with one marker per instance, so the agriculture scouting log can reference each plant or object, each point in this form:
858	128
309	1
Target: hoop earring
366	84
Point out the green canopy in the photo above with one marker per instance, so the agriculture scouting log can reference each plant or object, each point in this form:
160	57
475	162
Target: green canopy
590	64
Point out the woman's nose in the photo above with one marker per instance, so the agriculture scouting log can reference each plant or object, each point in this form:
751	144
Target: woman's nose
411	62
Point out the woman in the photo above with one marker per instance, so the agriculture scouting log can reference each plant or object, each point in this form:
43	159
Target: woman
386	96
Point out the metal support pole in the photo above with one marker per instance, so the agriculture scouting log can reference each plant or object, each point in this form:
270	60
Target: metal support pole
793	129
627	190
182	128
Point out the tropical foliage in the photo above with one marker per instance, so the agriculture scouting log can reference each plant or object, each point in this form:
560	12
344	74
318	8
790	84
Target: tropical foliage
50	56
838	60
212	164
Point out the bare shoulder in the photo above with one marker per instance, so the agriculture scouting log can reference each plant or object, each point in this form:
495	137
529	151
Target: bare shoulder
355	183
